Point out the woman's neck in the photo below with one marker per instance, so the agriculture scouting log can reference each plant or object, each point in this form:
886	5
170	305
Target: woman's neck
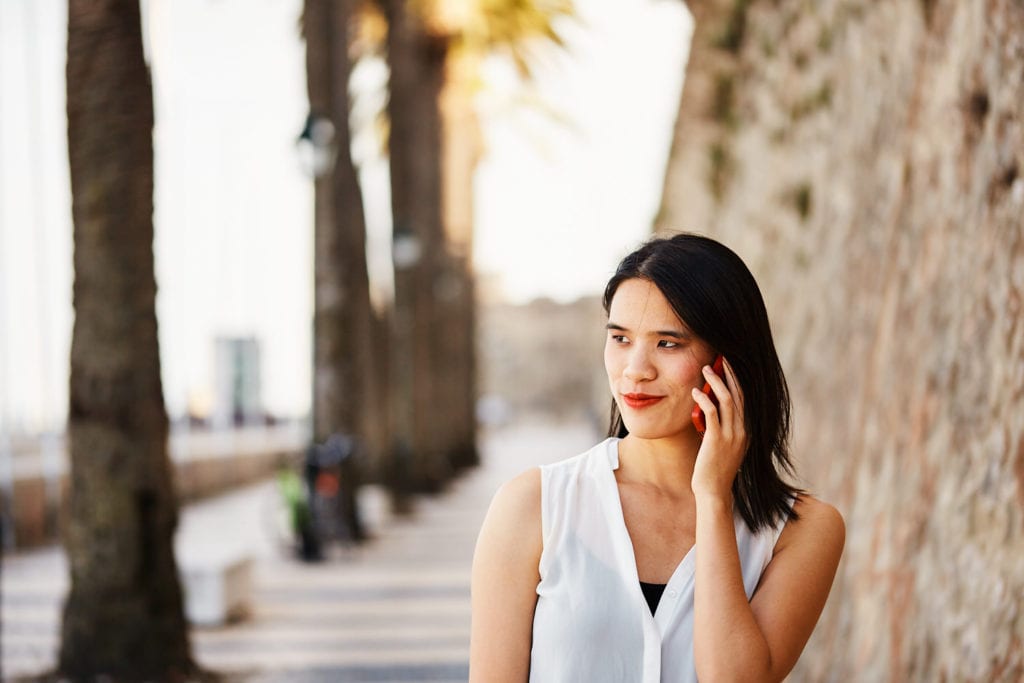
666	464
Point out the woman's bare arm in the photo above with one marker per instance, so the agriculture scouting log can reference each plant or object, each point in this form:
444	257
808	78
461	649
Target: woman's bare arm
761	640
504	583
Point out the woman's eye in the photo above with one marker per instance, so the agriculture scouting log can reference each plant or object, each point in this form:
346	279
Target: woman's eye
666	344
619	338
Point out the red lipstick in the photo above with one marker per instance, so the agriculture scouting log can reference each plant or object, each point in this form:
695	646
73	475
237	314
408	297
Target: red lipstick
640	400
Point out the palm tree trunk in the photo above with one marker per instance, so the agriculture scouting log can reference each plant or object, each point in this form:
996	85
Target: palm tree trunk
462	147
416	60
456	362
343	317
123	617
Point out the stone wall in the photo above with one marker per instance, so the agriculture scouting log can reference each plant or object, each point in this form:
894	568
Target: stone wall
36	519
865	158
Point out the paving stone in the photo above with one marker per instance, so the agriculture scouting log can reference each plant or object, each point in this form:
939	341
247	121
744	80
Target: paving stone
394	609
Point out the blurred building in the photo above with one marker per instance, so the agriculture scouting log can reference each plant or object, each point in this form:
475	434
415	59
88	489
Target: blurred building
237	399
543	359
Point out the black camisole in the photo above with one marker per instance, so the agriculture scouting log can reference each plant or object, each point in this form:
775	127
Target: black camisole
652	593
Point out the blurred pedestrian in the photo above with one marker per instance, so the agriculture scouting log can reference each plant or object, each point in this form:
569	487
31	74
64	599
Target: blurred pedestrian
589	569
300	521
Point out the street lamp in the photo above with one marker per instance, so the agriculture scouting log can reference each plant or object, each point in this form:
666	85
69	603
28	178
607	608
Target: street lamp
315	146
406	248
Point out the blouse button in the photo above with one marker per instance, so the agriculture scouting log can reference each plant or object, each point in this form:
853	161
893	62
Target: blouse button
672	593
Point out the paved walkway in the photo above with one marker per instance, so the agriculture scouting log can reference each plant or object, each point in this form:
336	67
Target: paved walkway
396	609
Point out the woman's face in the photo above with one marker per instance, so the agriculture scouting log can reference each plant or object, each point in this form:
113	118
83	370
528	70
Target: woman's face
653	362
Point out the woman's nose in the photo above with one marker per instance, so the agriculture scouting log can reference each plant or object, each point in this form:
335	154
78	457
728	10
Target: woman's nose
638	365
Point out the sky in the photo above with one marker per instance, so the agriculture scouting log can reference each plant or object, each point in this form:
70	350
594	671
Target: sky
570	182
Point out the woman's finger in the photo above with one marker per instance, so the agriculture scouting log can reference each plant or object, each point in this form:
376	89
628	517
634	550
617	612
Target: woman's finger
736	391
711	420
725	400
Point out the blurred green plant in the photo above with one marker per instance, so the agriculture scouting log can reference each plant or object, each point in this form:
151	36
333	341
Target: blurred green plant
821	98
293	493
723	103
800	198
732	34
825	38
800	59
486	26
730	38
721	168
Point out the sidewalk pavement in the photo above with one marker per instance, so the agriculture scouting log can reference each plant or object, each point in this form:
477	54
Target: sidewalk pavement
394	609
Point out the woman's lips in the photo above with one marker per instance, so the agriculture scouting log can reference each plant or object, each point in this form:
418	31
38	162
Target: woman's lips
640	400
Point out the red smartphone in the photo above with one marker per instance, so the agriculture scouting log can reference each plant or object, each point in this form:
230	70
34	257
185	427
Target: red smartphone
718	367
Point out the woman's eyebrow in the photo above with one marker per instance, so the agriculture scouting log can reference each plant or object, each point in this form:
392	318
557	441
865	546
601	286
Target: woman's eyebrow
678	334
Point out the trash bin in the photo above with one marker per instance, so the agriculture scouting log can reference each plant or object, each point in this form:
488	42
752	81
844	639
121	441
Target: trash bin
328	491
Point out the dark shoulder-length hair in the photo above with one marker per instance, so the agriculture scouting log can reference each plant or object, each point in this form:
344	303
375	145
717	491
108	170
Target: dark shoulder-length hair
712	291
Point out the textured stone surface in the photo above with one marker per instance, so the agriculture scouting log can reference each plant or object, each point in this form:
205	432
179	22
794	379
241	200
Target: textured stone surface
873	181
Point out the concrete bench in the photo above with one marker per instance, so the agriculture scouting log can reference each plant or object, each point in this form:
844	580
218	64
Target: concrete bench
217	585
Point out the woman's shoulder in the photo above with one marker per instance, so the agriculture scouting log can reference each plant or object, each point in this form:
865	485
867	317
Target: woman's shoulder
521	494
520	498
817	511
512	527
815	522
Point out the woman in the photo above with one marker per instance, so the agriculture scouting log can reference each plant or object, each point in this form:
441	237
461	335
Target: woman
589	569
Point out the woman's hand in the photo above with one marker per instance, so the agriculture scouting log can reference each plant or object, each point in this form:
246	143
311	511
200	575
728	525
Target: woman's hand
725	440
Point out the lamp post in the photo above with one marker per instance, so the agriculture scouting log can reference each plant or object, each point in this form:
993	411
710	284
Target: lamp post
406	249
316	146
340	339
406	467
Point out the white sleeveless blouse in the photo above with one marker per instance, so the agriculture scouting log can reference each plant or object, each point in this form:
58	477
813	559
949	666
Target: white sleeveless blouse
592	623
